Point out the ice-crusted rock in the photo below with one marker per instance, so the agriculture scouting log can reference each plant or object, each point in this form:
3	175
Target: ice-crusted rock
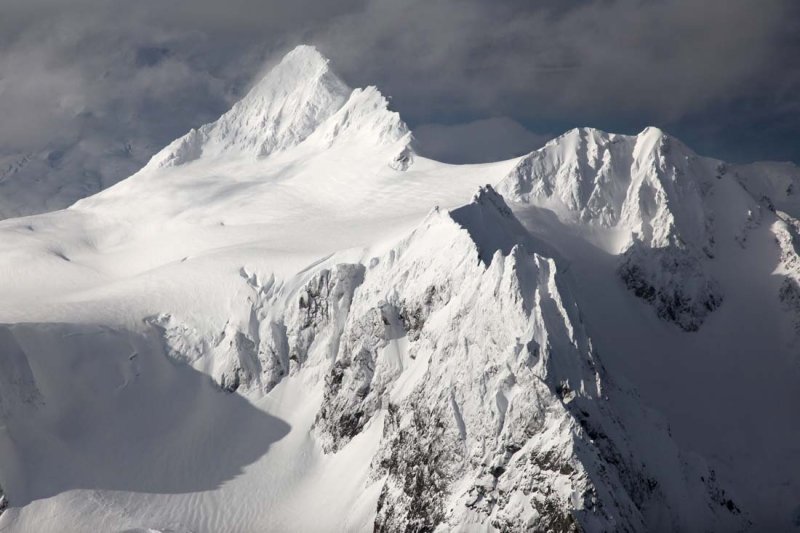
404	158
651	187
490	224
229	355
498	411
317	318
776	186
775	189
280	332
300	99
484	435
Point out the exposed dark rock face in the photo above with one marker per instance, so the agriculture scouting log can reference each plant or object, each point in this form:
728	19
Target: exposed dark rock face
323	302
413	314
419	470
351	397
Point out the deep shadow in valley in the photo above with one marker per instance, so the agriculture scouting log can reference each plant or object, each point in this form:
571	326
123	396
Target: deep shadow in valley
90	407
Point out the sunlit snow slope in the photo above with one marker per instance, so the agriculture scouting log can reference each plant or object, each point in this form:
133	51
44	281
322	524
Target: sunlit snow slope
289	321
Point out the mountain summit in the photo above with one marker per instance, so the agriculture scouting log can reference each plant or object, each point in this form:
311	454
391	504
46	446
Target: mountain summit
651	195
299	97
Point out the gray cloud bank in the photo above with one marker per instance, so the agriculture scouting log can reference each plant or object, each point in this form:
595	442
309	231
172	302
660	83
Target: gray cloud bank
111	81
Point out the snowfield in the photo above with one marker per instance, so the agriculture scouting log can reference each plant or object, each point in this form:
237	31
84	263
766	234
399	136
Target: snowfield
290	321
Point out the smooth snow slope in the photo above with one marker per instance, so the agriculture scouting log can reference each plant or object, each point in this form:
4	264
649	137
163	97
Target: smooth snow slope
289	252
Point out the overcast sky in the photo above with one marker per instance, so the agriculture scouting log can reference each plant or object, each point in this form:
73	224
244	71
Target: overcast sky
478	80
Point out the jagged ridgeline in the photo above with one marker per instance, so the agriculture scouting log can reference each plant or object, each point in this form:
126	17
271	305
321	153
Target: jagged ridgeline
289	320
495	410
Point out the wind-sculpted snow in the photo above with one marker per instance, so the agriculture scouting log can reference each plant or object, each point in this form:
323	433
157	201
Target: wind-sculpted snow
284	108
365	116
645	184
300	99
777	188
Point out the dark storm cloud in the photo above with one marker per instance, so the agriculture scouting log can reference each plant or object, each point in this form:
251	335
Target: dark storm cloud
145	72
721	73
614	64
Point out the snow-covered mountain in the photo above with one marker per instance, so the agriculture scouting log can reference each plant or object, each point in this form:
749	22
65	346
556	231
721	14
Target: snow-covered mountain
289	321
298	99
652	190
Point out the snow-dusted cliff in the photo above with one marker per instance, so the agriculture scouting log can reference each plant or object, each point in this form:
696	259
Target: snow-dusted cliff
289	321
652	192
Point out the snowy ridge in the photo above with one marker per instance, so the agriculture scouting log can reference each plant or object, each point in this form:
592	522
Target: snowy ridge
365	116
509	378
645	184
651	189
281	110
